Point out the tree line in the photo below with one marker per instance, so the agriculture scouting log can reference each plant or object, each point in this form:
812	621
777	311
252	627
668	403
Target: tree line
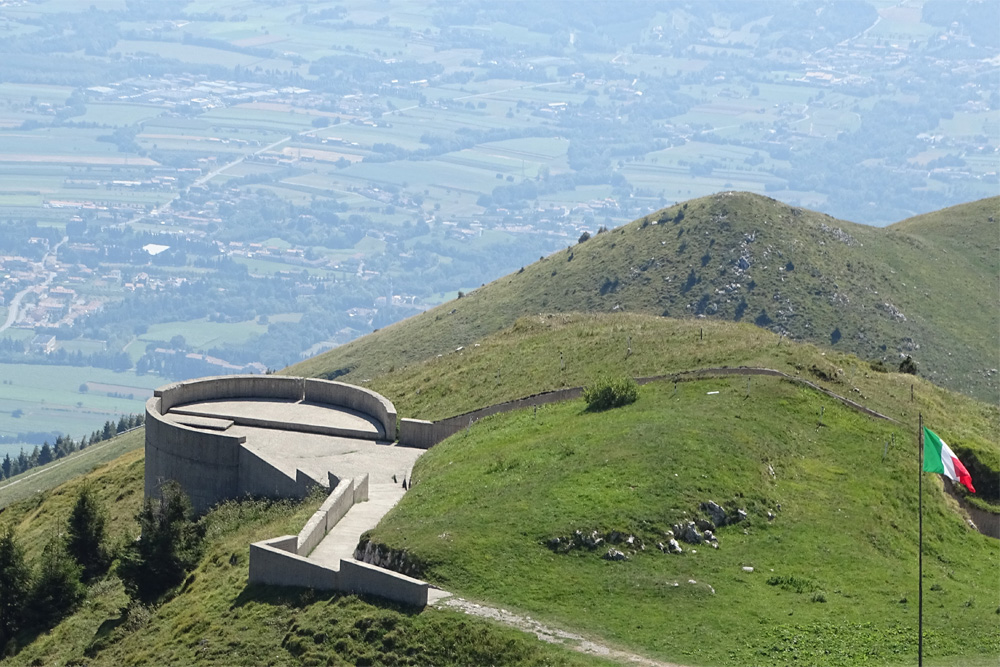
66	445
35	596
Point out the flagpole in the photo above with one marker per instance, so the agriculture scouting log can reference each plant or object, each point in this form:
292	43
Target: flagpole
920	548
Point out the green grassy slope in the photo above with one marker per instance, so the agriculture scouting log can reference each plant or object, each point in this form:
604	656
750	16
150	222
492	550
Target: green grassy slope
925	287
44	478
485	502
218	619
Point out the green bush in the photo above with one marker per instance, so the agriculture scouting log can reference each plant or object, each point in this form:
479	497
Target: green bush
57	589
170	545
607	393
15	586
85	534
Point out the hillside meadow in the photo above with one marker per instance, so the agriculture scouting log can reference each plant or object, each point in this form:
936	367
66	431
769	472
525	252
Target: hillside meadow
924	287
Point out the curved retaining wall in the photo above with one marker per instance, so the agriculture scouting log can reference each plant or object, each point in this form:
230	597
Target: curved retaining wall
205	464
230	386
212	466
356	398
426	434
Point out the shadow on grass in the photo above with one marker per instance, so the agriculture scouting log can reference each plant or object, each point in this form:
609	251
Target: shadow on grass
293	597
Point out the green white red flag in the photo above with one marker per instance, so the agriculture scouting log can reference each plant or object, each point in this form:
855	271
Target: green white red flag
939	458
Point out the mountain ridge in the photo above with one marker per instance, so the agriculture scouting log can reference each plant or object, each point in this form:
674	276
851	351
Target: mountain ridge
921	287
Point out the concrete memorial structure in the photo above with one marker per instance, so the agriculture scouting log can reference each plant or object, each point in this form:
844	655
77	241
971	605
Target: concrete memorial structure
266	435
228	437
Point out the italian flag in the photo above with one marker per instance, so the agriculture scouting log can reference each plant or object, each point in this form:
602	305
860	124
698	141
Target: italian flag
939	458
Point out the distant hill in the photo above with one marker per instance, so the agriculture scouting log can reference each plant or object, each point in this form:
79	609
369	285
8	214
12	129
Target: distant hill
925	287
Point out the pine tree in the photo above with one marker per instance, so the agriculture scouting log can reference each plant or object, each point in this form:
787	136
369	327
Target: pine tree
15	585
57	589
171	543
7	466
85	534
46	455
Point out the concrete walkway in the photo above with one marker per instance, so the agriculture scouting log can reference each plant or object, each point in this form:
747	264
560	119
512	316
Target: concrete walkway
342	540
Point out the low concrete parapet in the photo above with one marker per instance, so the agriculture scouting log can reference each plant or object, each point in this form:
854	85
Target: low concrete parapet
230	386
360	491
421	434
340	500
358	577
356	398
273	565
282	561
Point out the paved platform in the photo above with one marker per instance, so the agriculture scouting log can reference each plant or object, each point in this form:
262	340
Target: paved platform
317	439
315	454
313	417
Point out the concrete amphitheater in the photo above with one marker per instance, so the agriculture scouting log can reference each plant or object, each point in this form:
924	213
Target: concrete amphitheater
230	437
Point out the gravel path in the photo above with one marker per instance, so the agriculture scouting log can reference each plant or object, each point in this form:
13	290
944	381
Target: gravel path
443	600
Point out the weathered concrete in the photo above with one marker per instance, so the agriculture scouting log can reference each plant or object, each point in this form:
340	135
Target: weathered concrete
282	561
273	565
204	463
230	386
343	537
357	398
333	508
208	423
326	419
421	433
358	577
231	436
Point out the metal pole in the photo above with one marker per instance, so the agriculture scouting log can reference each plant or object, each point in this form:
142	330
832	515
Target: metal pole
920	549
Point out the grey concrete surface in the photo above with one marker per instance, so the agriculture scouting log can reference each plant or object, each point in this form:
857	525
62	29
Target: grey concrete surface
227	437
317	454
342	539
356	398
283	414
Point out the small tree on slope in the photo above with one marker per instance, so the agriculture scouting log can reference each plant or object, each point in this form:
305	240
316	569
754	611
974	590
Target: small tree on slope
169	546
86	538
15	584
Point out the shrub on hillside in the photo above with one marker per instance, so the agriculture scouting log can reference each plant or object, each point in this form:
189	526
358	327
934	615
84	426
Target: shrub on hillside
57	589
171	543
15	585
85	535
607	393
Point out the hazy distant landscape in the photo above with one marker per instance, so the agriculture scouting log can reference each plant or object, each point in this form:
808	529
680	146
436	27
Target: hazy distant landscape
217	187
645	302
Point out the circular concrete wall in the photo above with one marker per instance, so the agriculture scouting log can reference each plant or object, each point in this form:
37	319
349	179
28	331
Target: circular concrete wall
211	465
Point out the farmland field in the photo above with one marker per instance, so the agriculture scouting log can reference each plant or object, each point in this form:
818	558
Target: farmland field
417	149
48	398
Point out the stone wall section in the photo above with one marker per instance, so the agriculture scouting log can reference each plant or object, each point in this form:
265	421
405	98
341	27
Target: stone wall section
283	561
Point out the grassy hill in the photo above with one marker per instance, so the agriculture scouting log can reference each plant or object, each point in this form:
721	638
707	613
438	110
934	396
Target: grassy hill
834	579
216	618
834	568
924	287
485	504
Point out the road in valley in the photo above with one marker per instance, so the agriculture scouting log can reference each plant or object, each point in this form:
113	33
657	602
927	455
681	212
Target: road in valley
15	304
